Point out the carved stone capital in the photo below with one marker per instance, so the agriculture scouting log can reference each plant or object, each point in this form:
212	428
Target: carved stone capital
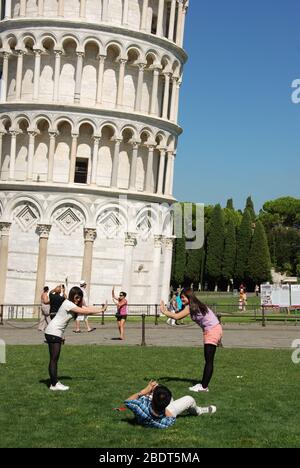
130	239
90	234
4	228
169	242
158	241
44	230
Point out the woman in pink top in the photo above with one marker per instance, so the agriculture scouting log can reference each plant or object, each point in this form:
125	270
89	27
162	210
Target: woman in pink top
122	311
212	331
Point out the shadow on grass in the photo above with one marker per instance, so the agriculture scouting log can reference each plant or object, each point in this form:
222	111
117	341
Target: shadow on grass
175	379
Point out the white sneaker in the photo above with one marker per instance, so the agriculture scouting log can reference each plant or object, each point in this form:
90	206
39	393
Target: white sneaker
59	386
198	388
206	409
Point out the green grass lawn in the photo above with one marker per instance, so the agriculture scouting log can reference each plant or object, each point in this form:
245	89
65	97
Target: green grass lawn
261	409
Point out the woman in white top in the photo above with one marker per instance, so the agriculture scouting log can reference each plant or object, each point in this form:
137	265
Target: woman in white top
55	330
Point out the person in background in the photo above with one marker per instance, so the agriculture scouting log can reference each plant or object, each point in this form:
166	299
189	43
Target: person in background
45	309
56	298
172	308
154	406
122	311
83	318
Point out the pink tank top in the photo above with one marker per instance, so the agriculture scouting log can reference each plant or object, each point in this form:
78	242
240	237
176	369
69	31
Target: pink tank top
206	322
123	310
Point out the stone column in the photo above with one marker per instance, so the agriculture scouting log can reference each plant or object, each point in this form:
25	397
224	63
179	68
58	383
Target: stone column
22	7
73	158
7	9
115	165
172	174
43	231
121	82
105	10
172	21
173	99
13	148
125	13
82	12
58	54
153	109
139	92
177	101
160	17
183	24
149	172
169	173
60	8
166	96
4	230
1	147
4	77
168	241
40	7
20	54
144	15
161	171
95	159
133	167
90	235
100	78
52	136
79	69
179	22
156	270
32	134
37	72
130	243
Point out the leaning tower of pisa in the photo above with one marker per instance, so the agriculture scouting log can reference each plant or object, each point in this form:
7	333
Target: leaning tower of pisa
88	135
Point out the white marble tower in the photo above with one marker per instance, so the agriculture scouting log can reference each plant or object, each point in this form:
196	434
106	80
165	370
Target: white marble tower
88	114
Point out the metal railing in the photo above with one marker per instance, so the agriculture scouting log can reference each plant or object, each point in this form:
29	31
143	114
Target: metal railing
257	313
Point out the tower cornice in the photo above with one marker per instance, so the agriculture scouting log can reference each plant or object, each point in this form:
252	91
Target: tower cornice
59	23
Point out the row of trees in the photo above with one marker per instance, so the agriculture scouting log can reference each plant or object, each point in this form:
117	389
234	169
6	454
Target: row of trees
237	246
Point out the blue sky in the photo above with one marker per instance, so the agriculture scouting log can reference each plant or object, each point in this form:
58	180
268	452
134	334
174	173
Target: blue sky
241	130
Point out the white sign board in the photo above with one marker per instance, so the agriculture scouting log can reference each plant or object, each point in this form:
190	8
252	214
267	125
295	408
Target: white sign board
284	295
295	295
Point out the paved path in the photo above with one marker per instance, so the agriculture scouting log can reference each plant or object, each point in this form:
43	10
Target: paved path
235	335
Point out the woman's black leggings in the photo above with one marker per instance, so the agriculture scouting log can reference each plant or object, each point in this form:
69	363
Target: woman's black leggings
54	350
209	355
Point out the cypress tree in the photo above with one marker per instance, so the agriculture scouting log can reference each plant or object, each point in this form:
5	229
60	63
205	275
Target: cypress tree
259	264
193	266
250	208
215	245
229	204
229	252
179	261
244	237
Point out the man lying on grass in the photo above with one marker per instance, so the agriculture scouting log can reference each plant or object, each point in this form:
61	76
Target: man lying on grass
154	406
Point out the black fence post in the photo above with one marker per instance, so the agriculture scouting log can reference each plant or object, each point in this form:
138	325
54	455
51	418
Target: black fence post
263	316
1	313
102	319
156	314
143	330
